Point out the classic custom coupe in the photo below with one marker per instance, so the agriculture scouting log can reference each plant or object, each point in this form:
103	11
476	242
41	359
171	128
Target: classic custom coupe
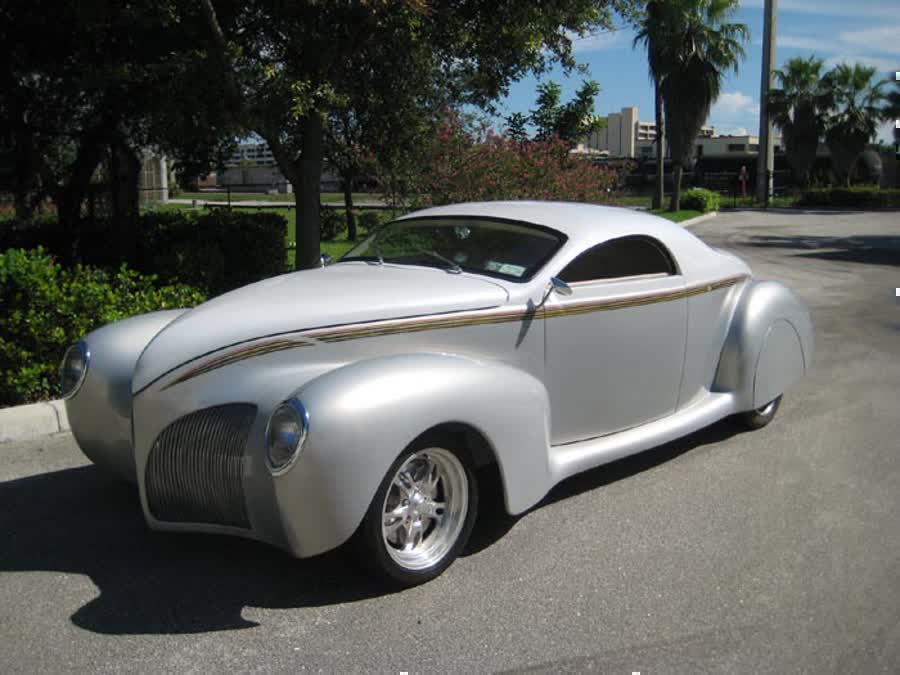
358	400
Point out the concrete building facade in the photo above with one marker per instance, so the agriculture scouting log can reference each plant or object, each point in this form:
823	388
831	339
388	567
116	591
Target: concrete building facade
625	135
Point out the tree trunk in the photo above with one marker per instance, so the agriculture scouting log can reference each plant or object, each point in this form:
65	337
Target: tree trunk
72	194
307	197
659	193
348	206
675	203
125	168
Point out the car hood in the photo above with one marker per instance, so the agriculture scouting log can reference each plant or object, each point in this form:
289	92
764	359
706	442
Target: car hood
351	292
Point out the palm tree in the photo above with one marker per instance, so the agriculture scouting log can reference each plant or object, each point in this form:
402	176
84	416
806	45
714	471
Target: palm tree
856	105
648	35
799	107
690	46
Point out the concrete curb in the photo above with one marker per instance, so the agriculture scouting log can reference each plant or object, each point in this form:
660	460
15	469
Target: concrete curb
36	420
698	219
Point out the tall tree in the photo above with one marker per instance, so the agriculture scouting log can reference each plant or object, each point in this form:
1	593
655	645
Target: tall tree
857	106
694	43
799	108
649	35
292	64
570	121
92	86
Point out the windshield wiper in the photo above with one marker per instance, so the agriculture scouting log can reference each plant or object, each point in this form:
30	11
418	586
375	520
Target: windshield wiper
454	266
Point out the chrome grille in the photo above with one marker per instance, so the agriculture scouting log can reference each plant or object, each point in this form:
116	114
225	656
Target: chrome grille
194	469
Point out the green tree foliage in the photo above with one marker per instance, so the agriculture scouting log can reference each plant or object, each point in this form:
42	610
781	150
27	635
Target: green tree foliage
571	121
691	44
799	107
291	65
857	106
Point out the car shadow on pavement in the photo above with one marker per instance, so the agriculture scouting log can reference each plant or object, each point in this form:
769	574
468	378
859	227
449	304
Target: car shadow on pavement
496	522
863	248
80	521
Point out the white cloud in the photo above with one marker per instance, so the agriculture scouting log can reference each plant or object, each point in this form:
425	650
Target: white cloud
882	64
614	39
734	113
734	103
860	9
883	39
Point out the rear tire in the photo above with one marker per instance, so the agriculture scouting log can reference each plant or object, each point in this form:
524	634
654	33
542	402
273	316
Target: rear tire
760	417
421	515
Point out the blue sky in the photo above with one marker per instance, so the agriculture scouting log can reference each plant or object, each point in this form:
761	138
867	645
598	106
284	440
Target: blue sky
835	30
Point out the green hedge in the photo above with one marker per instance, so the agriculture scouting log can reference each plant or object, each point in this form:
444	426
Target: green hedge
854	197
215	251
47	307
700	199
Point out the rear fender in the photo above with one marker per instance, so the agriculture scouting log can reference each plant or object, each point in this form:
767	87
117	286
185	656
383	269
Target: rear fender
769	345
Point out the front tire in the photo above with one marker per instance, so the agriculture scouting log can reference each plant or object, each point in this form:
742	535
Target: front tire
757	419
422	514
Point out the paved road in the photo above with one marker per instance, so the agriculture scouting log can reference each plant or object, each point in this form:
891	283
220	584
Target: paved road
777	550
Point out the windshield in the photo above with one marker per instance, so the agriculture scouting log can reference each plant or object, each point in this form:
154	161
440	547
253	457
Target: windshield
497	248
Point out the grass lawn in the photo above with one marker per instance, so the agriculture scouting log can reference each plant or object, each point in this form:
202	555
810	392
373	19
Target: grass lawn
677	216
326	198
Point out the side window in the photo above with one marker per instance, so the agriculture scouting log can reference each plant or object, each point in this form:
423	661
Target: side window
625	257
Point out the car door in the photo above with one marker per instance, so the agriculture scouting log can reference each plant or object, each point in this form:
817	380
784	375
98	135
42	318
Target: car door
615	346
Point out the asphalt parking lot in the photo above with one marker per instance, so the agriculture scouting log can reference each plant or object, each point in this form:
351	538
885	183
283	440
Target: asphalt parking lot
776	550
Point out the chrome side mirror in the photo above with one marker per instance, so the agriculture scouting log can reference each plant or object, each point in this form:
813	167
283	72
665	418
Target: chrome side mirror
559	286
556	285
324	260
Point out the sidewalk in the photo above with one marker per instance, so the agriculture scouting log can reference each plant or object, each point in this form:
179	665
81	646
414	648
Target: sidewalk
36	420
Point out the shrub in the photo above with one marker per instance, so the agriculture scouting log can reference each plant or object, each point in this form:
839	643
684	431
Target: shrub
700	199
215	251
460	166
853	197
48	307
331	222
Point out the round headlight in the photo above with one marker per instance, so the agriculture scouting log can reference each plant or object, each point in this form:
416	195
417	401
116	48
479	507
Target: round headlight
285	434
74	368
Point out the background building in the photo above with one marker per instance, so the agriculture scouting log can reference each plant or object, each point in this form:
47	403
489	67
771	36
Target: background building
252	168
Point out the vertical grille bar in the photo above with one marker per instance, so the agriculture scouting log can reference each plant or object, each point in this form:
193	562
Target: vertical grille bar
195	466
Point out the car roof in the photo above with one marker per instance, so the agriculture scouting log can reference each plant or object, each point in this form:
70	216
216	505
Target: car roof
576	221
587	225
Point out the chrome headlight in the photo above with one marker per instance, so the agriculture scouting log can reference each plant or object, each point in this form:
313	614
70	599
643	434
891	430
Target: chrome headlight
285	435
74	368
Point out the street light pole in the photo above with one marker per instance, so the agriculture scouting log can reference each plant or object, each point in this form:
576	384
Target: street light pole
765	158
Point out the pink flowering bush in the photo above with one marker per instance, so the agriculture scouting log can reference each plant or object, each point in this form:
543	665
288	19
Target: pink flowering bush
462	165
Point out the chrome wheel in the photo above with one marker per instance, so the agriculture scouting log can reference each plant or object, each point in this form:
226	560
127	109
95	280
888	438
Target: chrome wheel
425	508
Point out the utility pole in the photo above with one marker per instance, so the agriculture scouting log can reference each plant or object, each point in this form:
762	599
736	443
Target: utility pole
765	158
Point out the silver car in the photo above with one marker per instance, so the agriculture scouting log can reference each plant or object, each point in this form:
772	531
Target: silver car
360	400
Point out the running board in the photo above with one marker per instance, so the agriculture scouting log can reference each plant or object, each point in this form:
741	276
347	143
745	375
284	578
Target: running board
572	458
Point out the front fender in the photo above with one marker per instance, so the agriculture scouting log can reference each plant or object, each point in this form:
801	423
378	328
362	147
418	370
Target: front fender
769	345
361	416
100	412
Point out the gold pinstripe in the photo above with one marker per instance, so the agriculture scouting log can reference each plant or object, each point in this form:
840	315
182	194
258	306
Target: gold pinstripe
444	321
